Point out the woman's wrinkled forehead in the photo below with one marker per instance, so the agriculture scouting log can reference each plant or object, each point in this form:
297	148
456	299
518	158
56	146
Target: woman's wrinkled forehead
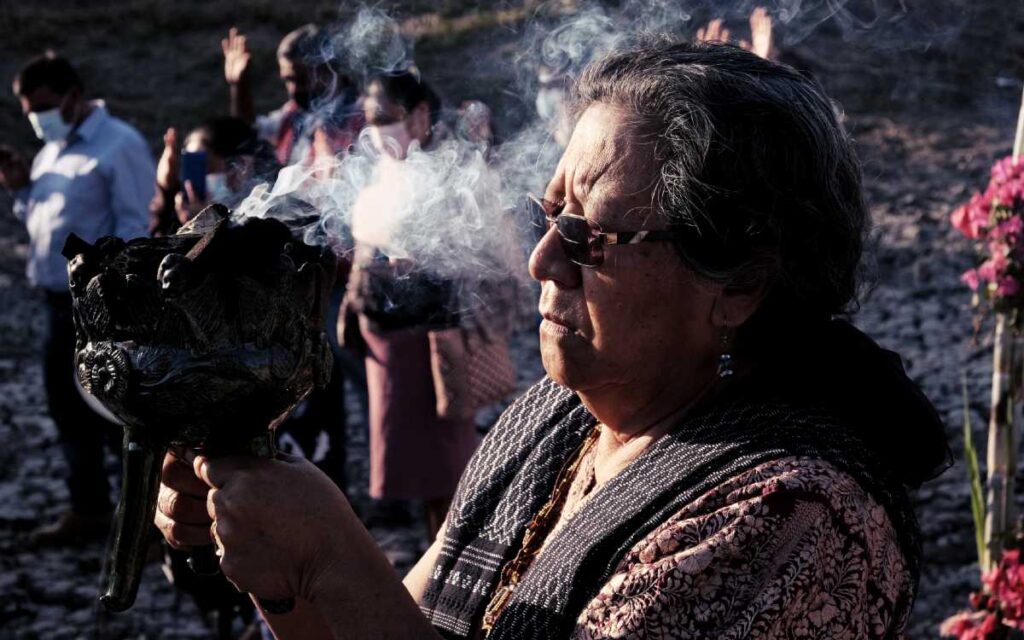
607	161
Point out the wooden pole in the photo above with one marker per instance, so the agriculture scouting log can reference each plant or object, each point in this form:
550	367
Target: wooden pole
1018	140
1000	511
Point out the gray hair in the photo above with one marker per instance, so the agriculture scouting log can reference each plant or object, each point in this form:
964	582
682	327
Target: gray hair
752	162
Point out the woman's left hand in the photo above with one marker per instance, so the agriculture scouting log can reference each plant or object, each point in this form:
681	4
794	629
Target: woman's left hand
277	523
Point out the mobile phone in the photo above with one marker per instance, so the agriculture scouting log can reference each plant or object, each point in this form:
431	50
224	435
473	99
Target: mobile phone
193	169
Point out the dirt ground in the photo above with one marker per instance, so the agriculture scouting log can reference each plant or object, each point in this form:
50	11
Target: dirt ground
929	115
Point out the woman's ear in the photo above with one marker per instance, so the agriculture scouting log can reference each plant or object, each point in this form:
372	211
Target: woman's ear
735	305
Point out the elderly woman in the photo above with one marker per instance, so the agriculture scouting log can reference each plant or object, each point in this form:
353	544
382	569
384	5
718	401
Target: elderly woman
712	455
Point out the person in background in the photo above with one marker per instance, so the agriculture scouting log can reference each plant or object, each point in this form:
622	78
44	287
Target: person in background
476	124
760	43
93	177
414	453
236	159
321	120
552	85
321	117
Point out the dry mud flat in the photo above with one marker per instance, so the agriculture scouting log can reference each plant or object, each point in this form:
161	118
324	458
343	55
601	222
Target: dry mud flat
916	171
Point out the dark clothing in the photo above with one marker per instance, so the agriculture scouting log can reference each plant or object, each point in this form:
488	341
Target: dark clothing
414	453
82	431
316	430
751	421
163	221
395	296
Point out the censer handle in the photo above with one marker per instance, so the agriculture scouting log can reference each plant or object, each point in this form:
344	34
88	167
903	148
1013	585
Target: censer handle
140	483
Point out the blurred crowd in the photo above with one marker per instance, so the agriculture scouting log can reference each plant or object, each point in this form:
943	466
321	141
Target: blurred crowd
95	176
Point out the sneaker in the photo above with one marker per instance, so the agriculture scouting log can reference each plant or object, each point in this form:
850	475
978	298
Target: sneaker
71	529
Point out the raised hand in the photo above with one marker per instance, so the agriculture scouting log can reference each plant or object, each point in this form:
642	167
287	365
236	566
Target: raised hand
714	32
760	34
14	171
236	57
168	166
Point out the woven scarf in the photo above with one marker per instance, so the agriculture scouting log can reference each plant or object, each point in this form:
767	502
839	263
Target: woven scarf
512	475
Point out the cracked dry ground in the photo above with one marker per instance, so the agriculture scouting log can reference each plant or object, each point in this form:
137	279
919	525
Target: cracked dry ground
916	169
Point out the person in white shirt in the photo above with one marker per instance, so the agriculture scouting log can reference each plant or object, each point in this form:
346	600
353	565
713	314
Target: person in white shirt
93	177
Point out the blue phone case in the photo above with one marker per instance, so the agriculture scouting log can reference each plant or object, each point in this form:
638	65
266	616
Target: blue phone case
193	169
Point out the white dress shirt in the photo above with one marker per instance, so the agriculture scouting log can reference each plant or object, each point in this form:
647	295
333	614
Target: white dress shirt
96	183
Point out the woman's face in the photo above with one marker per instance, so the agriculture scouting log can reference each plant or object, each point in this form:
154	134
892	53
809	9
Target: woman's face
640	320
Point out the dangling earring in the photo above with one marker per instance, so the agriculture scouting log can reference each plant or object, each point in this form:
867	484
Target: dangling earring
725	360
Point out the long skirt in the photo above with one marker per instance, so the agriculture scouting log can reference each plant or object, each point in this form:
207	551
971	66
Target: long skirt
414	454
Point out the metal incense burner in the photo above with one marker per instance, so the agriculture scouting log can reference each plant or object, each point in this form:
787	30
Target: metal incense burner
203	340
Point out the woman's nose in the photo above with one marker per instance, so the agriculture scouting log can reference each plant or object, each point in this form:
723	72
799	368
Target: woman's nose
549	262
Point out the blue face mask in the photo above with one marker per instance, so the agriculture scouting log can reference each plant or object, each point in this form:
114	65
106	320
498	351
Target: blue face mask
49	125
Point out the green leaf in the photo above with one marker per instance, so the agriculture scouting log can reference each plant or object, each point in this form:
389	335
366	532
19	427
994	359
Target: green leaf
977	494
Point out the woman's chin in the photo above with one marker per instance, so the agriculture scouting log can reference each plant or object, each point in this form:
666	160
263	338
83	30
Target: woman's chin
559	367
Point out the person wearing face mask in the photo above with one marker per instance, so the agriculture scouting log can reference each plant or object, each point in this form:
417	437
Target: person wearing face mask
236	159
391	306
93	177
321	117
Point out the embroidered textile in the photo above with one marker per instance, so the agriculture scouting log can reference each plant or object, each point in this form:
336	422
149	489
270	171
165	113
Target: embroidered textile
511	476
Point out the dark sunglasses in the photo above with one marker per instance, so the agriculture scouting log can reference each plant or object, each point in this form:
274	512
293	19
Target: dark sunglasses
583	240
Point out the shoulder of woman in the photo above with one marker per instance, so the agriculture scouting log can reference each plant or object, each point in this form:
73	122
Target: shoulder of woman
800	494
755	557
782	481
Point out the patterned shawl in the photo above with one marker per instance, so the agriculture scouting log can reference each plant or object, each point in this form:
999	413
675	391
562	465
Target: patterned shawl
513	473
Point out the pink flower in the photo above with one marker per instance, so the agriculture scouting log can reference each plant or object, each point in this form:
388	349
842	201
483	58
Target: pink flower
1005	195
1005	170
1008	287
989	626
966	625
966	221
1011	227
970	278
961	220
996	218
990	270
957	624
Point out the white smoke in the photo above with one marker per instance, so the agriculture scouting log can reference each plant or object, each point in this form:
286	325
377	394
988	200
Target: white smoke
373	42
451	208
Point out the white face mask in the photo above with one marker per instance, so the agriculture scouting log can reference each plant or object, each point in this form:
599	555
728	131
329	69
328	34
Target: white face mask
217	189
49	125
391	139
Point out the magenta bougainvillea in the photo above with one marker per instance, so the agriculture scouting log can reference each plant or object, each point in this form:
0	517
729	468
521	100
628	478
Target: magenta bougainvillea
998	610
993	219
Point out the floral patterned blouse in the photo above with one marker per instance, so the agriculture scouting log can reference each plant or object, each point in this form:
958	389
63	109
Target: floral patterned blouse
793	548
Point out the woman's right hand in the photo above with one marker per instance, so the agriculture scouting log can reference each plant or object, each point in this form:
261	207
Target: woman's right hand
181	513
